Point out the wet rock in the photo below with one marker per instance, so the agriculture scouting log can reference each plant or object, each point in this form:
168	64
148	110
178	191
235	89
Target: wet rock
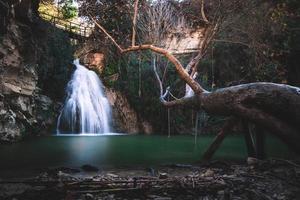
23	49
44	102
163	175
163	198
10	129
46	113
88	196
94	61
63	169
208	173
252	161
8	190
112	175
66	177
18	83
125	117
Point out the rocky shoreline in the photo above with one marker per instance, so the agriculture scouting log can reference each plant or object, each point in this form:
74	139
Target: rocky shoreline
271	179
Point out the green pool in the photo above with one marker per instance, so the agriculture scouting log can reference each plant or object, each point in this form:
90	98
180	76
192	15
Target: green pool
121	150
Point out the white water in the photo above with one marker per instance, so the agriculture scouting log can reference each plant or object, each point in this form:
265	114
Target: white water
86	109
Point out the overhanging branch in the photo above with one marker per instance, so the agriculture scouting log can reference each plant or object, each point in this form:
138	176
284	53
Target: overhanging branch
179	68
107	34
190	101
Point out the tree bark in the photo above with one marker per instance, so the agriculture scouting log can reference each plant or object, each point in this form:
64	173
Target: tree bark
248	139
273	107
218	139
260	143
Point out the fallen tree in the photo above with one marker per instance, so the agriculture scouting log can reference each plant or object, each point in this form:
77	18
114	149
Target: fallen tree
273	107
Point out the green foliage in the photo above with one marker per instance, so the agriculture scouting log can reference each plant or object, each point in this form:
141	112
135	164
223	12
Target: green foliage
69	10
285	14
55	63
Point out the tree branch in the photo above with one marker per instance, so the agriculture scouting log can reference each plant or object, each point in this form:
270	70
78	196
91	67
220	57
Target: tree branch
232	42
136	3
179	68
219	139
157	77
190	101
203	13
209	33
106	33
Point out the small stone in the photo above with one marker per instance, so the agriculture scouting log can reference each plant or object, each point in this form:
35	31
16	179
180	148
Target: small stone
112	175
89	196
163	175
209	173
252	161
221	192
62	174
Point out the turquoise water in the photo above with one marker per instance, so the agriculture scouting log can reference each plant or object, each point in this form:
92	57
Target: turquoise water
122	150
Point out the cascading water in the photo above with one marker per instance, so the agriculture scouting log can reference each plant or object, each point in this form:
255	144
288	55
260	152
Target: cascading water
86	109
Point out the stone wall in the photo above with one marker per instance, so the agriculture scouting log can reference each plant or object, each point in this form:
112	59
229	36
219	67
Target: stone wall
23	108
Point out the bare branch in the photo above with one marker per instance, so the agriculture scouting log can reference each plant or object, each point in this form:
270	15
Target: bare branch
209	34
160	22
107	34
210	151
157	77
203	13
179	68
185	101
232	42
136	3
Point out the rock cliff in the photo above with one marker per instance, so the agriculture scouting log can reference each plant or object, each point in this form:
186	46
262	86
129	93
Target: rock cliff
23	108
125	118
34	70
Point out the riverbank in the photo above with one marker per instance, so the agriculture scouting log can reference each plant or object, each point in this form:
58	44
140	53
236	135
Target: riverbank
271	179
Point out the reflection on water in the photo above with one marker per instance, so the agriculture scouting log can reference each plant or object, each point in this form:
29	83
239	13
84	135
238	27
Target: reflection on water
121	150
88	134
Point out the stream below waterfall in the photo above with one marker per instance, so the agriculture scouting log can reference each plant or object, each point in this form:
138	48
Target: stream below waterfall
38	154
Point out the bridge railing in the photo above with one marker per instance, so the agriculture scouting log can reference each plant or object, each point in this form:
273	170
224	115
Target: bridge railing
68	26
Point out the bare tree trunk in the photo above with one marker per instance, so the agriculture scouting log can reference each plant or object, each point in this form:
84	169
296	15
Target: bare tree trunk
218	139
248	140
273	107
260	143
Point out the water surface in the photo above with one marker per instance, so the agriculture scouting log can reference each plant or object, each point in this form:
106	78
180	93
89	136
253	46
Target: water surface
121	151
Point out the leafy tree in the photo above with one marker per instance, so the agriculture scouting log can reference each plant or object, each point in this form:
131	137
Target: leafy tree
69	10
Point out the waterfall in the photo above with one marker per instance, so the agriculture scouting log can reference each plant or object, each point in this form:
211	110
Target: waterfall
86	109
